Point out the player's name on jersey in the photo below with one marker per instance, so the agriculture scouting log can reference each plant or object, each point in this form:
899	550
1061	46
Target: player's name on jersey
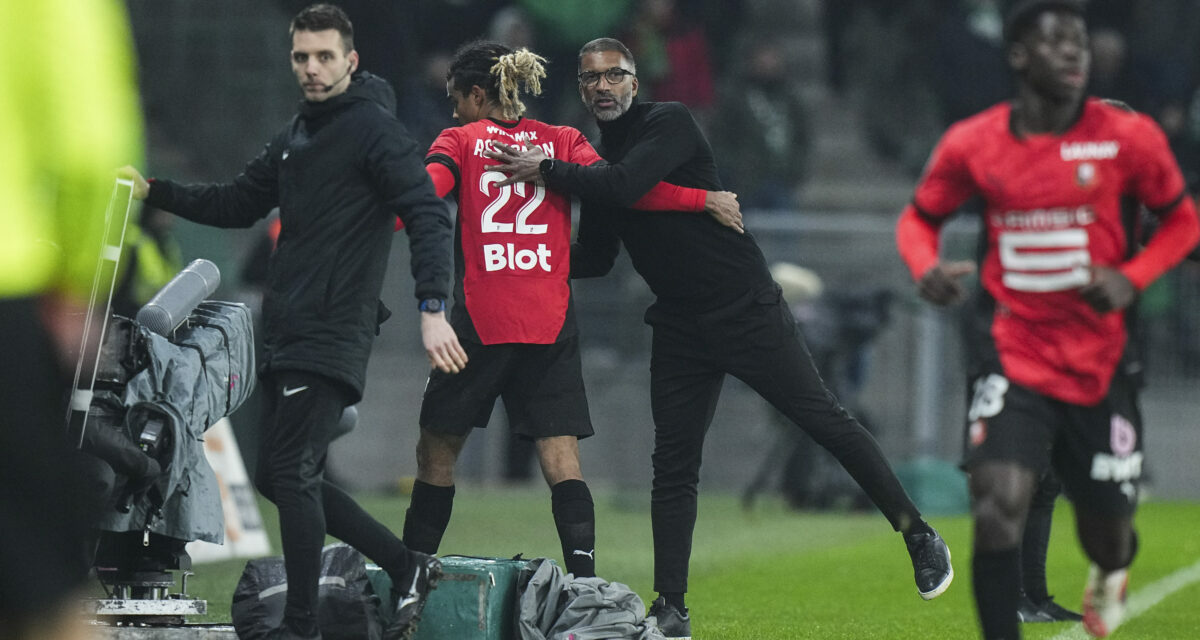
519	138
1105	150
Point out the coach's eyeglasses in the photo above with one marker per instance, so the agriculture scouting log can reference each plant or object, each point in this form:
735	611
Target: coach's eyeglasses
615	75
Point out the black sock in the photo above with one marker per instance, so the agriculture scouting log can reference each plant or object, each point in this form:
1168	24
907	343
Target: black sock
427	516
575	519
997	586
1034	545
918	527
675	599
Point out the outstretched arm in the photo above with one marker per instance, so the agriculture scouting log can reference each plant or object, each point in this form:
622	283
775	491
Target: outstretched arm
669	136
524	164
241	203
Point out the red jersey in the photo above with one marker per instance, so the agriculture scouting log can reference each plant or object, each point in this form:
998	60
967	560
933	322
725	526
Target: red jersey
1053	210
514	241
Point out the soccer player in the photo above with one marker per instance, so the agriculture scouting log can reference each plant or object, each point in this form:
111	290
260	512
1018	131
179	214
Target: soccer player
513	307
718	313
340	173
1054	169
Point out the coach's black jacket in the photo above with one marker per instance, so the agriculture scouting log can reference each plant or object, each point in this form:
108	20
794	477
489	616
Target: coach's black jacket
691	262
340	173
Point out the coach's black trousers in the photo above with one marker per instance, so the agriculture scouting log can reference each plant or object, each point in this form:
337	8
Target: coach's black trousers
756	340
300	421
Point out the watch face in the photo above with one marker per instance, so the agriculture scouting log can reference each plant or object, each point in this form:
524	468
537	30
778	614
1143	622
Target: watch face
432	305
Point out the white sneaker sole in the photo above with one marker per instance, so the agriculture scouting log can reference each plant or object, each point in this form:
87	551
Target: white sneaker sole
941	588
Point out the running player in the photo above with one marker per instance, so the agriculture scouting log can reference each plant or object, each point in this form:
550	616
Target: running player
1054	169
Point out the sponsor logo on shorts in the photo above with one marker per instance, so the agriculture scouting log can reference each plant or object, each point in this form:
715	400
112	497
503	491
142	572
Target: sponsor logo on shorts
989	397
977	433
1112	468
1122	436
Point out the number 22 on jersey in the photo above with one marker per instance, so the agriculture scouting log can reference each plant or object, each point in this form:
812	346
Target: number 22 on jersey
488	223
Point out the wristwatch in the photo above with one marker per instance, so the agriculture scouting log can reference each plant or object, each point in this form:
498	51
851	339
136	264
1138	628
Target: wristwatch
546	167
432	305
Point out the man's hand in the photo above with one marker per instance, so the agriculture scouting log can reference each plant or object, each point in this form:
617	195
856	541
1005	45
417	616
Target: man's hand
1109	290
441	344
141	188
521	164
724	208
942	284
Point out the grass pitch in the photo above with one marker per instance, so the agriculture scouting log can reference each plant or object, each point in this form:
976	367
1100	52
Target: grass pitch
775	573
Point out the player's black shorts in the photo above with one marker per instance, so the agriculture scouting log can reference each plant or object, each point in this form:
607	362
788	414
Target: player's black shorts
1095	451
541	385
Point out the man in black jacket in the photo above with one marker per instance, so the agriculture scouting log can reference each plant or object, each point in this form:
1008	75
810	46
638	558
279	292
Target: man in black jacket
718	312
340	173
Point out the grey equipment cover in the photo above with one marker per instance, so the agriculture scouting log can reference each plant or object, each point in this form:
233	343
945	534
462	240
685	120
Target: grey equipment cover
190	382
555	606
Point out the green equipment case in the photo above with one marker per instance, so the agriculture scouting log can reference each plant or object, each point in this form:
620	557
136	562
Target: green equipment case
476	599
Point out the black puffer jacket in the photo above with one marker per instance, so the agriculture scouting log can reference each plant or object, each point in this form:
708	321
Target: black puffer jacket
340	173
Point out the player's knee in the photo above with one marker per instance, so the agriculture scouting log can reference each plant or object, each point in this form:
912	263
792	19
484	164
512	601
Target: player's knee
1110	545
560	471
559	459
436	457
998	522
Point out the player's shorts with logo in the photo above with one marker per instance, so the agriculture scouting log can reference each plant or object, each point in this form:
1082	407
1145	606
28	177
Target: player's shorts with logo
1095	451
541	385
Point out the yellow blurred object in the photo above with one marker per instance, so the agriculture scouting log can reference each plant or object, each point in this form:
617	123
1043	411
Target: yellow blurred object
404	485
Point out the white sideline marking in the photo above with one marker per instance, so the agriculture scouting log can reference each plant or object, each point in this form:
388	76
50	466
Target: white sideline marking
1144	599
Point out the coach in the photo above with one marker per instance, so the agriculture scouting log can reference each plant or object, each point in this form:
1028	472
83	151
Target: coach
717	312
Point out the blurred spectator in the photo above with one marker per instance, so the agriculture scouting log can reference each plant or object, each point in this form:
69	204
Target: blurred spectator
421	99
1112	76
899	107
839	23
67	119
1163	41
673	57
512	27
559	28
762	131
968	70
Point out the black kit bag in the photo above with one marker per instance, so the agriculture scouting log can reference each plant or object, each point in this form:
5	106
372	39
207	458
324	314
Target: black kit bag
346	609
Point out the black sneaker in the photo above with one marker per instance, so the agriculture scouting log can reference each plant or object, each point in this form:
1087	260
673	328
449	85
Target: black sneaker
1045	611
411	594
931	563
673	623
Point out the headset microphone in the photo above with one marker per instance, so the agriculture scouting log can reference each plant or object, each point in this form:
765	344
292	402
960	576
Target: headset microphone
329	87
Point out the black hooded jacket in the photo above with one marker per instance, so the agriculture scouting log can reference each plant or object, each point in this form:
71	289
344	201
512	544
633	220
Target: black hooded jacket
340	173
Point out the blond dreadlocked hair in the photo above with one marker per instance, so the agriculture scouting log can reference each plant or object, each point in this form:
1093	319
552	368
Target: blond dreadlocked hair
501	72
512	69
